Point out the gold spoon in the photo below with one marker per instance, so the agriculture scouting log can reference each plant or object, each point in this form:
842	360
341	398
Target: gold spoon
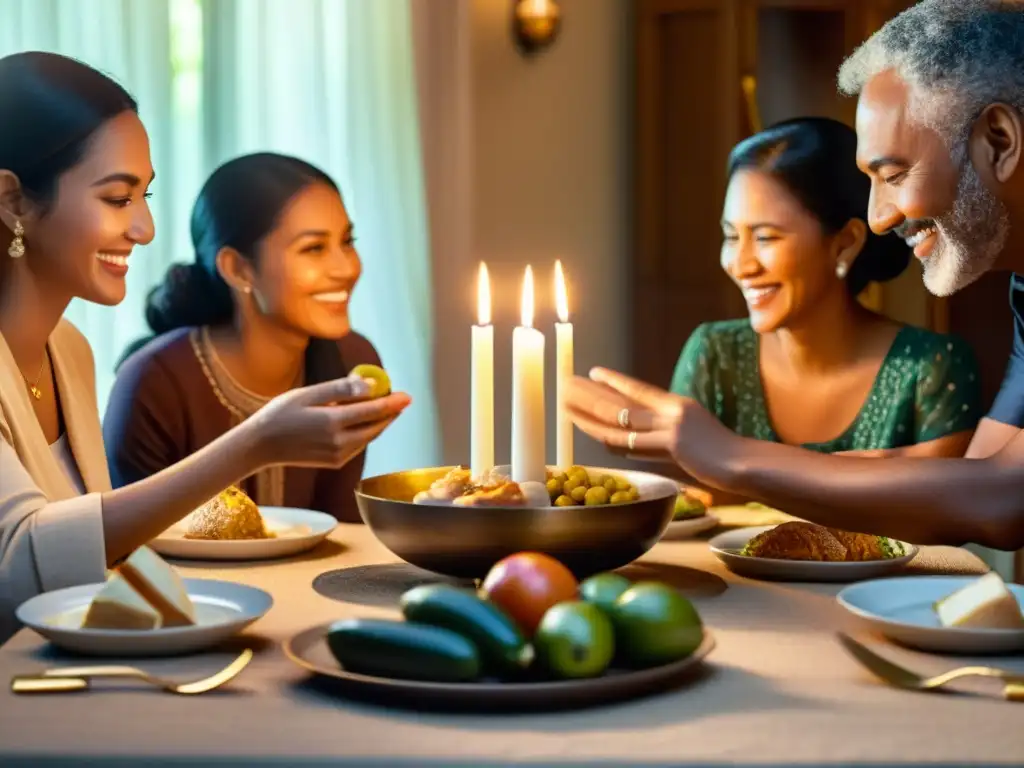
64	679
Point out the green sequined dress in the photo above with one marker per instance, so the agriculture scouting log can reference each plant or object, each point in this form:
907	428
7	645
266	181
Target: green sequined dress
927	388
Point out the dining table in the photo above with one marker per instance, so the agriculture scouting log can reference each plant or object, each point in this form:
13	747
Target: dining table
778	687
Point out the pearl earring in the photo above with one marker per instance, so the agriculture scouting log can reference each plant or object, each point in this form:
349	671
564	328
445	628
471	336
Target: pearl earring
841	270
17	247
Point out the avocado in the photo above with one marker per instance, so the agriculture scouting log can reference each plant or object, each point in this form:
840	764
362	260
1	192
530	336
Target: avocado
575	639
655	624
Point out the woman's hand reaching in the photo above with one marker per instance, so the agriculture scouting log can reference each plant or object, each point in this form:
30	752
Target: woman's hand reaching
641	420
323	425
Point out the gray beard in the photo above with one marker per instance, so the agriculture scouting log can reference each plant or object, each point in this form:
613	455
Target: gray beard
971	236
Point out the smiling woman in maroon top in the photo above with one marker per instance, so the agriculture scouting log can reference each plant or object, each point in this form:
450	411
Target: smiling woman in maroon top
262	309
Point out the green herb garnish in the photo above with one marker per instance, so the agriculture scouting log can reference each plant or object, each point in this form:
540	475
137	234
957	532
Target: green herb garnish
890	547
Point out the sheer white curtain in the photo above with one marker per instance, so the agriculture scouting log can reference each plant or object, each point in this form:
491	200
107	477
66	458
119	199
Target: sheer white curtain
333	82
131	41
442	36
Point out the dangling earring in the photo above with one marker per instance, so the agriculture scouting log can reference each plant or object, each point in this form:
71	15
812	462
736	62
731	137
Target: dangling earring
841	270
17	248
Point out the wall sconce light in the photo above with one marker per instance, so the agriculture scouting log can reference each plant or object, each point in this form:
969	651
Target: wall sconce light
535	24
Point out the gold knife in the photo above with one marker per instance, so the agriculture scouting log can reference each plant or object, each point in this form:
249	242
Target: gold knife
37	684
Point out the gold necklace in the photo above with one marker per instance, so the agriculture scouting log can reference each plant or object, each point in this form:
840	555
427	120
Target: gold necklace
37	393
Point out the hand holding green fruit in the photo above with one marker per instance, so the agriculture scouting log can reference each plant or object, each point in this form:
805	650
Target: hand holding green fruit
381	382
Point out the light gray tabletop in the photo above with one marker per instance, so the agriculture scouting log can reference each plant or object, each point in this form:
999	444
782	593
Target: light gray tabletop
778	689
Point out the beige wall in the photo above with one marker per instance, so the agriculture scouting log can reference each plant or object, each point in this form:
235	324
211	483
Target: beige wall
543	170
550	180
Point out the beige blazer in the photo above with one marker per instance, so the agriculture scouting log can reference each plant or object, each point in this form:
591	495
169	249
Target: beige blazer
50	535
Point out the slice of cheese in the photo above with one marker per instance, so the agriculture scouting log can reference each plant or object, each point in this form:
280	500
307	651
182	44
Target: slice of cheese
986	603
119	606
154	579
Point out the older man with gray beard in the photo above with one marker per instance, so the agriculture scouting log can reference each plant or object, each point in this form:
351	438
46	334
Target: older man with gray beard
940	128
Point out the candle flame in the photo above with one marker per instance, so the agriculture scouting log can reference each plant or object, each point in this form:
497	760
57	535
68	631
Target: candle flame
561	296
483	296
526	308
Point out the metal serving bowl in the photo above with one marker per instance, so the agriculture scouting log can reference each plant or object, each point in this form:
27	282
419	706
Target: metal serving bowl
466	541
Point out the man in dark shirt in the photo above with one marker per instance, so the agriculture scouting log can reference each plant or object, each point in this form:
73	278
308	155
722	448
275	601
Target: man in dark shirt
940	129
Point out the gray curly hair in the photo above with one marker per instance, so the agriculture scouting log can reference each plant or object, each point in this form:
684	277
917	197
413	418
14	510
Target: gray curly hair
957	56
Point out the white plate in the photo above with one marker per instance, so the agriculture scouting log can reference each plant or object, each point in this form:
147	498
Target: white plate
298	530
223	608
901	609
679	530
727	546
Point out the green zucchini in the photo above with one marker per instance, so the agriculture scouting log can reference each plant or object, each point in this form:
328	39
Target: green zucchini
399	649
503	649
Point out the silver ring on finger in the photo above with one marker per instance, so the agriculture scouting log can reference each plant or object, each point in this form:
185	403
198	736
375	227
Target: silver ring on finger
631	441
623	418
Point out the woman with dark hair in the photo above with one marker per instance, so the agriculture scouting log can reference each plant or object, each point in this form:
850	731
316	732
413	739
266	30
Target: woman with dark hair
261	310
74	175
811	366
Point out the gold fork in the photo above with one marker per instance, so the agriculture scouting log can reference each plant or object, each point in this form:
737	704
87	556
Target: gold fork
1013	690
65	679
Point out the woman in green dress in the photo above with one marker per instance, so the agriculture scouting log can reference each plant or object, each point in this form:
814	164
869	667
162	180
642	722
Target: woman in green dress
811	366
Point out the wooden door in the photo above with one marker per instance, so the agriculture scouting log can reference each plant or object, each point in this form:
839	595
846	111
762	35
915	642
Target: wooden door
688	117
694	59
